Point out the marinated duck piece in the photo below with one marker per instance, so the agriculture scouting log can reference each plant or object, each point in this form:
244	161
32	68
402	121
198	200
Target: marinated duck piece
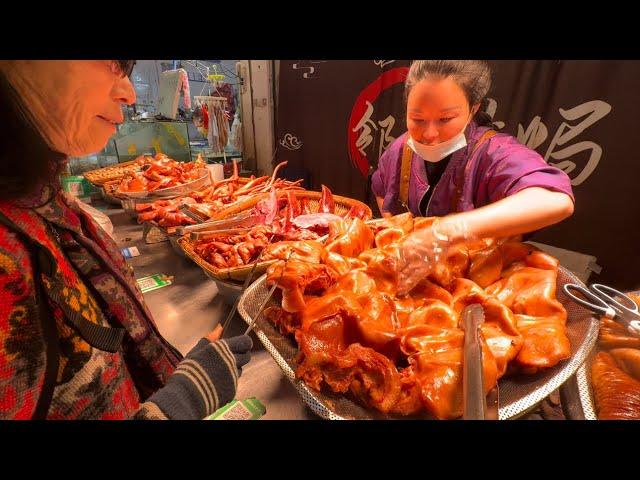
165	212
617	394
328	354
426	289
403	355
327	204
499	329
435	355
356	281
453	266
433	312
381	266
614	335
403	221
296	278
378	324
349	237
628	359
305	250
530	293
485	266
162	172
287	323
388	236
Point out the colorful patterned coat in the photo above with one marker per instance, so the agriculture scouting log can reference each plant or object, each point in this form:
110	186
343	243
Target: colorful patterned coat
90	281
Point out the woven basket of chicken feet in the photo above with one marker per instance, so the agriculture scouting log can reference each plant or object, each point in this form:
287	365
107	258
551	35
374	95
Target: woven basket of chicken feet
206	203
282	218
609	381
354	349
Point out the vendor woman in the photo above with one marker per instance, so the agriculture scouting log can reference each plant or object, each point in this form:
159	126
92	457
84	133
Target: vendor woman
452	164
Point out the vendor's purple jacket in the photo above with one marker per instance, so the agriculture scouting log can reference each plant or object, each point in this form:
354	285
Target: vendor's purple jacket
499	167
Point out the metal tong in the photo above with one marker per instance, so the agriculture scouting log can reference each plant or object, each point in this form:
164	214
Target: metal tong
476	406
247	281
237	221
269	295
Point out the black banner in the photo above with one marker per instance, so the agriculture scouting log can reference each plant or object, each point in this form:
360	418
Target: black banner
336	117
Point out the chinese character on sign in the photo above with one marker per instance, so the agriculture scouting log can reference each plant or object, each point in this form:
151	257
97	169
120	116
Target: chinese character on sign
592	111
383	63
368	126
536	134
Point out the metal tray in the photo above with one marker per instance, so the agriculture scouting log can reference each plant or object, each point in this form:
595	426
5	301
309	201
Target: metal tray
585	389
518	394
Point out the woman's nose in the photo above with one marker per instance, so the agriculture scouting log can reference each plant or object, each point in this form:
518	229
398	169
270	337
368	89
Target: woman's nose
430	133
123	91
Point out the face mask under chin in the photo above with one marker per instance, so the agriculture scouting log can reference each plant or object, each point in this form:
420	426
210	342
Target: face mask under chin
436	153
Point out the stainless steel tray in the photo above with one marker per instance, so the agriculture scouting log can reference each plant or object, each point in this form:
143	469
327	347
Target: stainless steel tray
585	389
518	394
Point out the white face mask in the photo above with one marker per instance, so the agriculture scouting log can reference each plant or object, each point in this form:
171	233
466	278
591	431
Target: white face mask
435	153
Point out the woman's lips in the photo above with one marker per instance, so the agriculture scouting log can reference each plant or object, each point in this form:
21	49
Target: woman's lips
112	122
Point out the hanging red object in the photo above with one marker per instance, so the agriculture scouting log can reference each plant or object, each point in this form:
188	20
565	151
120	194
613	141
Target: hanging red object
205	116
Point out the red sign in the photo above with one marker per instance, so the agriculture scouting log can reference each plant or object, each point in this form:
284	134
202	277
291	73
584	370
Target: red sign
368	96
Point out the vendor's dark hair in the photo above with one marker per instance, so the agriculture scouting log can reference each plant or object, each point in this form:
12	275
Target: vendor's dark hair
25	158
473	76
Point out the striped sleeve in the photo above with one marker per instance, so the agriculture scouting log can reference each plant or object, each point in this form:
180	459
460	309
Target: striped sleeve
203	382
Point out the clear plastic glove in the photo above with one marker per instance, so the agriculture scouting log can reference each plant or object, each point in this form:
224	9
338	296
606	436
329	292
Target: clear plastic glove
421	250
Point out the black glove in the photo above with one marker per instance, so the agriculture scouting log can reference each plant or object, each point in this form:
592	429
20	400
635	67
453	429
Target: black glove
205	380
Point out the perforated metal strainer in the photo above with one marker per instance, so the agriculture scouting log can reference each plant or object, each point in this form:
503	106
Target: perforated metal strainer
518	394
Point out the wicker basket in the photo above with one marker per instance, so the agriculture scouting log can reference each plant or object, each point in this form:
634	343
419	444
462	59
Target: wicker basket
231	210
203	180
343	205
171	231
248	203
224	274
113	172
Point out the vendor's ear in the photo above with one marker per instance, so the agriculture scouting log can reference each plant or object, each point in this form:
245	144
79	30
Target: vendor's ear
475	109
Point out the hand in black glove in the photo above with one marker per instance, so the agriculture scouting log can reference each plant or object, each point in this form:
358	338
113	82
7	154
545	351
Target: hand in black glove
205	380
241	347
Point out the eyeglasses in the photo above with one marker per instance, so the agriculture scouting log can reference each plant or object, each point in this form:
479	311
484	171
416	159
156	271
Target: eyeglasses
123	67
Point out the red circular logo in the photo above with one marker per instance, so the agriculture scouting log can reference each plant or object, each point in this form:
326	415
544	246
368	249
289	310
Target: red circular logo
370	93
